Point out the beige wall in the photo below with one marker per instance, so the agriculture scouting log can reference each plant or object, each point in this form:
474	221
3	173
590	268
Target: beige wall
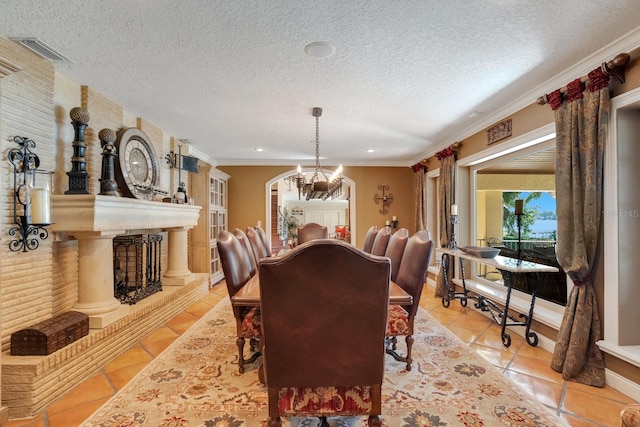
247	196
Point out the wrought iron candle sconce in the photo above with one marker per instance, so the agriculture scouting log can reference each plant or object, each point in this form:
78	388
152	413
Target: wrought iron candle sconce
453	244
386	199
31	197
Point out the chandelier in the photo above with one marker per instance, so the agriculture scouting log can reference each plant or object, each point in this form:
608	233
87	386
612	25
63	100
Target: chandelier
320	186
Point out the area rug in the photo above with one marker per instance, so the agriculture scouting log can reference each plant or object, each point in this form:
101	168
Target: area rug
195	382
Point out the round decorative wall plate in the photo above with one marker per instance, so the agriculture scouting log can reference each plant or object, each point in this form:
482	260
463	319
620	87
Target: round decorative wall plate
137	166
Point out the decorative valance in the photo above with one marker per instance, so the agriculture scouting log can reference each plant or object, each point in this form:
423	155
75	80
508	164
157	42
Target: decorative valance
451	150
420	166
594	81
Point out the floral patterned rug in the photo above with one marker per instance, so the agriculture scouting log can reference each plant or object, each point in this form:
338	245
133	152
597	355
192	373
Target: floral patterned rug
195	382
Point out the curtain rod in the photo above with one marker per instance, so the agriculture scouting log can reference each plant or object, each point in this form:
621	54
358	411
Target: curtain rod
614	68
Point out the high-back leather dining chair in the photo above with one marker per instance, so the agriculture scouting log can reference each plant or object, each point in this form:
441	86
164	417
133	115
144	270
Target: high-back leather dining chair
264	239
411	277
259	249
395	249
381	241
312	231
246	244
369	238
322	341
233	257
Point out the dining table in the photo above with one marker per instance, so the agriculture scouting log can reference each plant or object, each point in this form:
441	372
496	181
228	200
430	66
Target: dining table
249	294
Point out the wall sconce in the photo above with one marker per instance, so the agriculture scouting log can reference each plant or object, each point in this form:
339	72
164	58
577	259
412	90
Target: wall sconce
31	197
386	199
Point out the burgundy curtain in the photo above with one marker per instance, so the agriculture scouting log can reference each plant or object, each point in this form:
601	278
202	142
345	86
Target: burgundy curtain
581	118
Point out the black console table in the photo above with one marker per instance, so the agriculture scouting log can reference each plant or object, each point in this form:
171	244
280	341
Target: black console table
508	267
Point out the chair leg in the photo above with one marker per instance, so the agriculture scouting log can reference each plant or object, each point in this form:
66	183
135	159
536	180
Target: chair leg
391	349
240	344
374	421
409	341
275	422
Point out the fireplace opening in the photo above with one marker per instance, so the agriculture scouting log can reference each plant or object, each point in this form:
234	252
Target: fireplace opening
136	267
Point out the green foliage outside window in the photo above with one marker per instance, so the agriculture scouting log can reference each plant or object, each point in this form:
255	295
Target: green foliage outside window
509	223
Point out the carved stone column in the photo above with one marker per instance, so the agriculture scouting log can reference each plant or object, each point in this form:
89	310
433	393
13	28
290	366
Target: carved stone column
178	272
95	280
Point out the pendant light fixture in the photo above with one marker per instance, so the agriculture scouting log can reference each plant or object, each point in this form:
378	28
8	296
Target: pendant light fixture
320	186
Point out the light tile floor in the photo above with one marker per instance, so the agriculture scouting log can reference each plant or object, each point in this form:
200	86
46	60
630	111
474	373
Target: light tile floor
528	366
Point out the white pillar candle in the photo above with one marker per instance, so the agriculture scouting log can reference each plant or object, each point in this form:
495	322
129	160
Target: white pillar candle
259	224
395	218
386	222
40	205
454	209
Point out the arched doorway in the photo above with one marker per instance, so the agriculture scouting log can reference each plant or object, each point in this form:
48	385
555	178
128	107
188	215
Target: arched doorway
270	211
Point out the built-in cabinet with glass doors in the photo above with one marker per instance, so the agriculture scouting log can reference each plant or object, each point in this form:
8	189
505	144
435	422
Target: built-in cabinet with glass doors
217	219
209	187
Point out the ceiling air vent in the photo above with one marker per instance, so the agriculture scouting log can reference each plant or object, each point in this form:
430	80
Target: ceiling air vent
41	48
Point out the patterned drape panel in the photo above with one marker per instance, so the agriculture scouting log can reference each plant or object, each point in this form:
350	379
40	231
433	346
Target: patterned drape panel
446	197
420	193
581	128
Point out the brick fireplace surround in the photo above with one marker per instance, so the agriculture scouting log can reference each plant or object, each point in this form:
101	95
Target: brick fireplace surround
29	383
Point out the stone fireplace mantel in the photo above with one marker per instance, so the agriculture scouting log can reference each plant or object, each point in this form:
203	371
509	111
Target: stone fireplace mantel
94	221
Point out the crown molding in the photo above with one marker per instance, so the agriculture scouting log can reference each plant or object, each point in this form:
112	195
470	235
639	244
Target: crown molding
626	43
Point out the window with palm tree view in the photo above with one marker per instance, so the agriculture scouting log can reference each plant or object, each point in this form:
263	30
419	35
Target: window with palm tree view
497	190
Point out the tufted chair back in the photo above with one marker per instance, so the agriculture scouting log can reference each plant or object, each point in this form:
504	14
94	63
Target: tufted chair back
312	231
369	238
311	360
411	277
395	249
381	241
246	244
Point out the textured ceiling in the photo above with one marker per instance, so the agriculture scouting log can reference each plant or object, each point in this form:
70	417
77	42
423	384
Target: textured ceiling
405	79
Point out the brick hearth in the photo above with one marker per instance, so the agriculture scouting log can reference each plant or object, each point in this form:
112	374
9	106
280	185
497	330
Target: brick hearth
32	382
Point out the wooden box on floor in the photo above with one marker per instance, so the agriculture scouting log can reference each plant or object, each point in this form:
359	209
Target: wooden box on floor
50	335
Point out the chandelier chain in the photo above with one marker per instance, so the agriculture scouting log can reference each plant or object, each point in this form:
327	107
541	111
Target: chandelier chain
316	189
318	167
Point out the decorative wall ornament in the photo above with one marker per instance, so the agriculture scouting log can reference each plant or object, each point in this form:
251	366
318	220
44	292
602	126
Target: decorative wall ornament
137	171
386	199
108	185
500	131
78	176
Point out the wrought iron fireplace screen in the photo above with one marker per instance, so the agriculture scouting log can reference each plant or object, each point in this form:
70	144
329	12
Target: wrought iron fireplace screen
136	267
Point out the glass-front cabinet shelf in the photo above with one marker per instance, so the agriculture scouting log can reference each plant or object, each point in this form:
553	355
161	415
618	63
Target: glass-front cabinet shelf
218	220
